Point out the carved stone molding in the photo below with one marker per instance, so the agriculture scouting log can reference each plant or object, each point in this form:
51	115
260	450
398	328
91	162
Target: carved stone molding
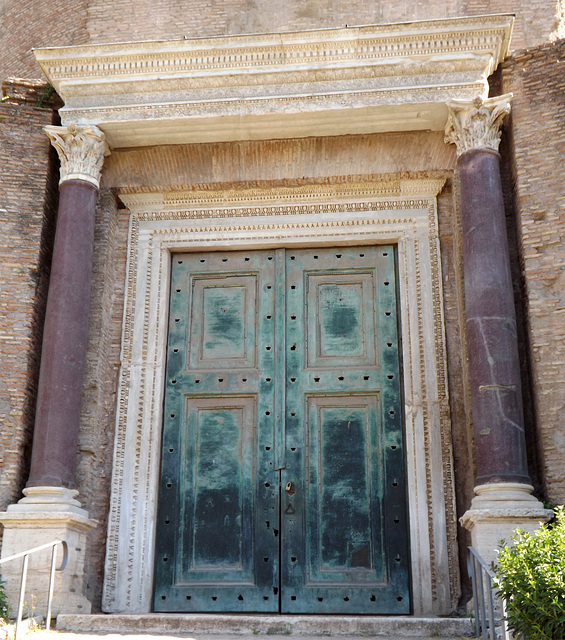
81	151
355	80
476	124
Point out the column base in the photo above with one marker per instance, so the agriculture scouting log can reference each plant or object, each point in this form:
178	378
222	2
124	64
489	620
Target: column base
497	510
44	515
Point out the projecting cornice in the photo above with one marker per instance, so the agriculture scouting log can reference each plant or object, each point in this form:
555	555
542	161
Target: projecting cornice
395	77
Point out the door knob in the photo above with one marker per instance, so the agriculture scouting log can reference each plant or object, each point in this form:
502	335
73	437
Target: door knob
290	488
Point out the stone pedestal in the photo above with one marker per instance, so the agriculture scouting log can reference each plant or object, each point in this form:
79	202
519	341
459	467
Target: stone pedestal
496	512
503	500
44	515
49	510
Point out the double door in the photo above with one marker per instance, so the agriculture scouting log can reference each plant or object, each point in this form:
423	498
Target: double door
282	480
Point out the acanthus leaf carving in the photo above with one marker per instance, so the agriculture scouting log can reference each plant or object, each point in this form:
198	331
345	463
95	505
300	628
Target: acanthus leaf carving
476	124
81	150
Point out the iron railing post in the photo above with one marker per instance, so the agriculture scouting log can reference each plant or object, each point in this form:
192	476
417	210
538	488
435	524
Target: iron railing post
22	596
25	555
482	580
51	587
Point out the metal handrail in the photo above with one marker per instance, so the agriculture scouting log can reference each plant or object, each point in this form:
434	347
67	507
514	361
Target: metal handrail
482	579
25	555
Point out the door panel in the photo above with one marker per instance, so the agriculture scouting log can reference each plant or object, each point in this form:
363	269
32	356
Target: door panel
220	435
344	545
217	532
283	376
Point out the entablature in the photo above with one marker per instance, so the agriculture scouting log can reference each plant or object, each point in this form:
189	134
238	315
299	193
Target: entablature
354	80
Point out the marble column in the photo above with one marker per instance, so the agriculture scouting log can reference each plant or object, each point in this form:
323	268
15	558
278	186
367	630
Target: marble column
503	500
49	509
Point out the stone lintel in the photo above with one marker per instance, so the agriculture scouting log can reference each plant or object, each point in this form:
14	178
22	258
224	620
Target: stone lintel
394	77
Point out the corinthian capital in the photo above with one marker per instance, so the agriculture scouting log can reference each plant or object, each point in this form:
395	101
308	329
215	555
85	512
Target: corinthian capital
81	151
476	124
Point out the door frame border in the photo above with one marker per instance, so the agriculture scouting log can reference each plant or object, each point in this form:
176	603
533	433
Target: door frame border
373	210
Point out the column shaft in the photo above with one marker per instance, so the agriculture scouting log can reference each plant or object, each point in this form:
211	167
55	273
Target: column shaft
64	340
491	324
503	499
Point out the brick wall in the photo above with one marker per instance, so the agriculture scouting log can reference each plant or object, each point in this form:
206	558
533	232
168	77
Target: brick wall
537	78
27	211
35	23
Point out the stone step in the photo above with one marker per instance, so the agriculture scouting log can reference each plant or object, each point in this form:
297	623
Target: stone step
238	625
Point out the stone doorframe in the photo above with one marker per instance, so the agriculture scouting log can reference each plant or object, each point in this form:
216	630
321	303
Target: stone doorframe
377	211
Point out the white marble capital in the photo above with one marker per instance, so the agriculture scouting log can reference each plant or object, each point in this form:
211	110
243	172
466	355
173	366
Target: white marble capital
476	124
81	151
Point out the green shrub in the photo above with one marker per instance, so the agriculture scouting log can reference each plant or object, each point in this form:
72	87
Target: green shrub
4	611
531	578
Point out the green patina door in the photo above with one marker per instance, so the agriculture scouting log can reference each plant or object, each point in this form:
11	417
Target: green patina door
282	480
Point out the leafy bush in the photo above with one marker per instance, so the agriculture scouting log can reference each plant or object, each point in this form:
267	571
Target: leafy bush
531	578
4	611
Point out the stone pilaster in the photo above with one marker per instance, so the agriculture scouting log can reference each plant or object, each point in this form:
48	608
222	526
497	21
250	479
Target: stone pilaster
49	509
503	500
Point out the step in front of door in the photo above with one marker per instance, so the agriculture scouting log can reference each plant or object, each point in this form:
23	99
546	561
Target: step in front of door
196	625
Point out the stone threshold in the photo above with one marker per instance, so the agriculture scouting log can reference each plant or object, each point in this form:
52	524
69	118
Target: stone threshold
272	625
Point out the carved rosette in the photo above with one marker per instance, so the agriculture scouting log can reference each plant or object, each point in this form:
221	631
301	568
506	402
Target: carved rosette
81	151
476	124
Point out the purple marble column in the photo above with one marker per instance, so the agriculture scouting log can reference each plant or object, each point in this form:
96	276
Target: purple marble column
503	499
49	509
500	447
494	367
53	463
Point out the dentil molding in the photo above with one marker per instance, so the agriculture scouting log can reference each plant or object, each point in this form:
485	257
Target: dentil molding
476	124
81	151
395	77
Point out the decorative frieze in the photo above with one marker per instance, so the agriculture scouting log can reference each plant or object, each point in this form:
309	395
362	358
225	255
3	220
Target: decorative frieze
81	151
476	124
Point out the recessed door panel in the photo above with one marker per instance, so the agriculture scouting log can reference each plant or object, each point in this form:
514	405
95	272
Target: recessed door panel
222	328
340	319
282	483
219	507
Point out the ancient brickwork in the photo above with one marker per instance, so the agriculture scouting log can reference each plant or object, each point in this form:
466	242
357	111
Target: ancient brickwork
27	211
537	79
34	23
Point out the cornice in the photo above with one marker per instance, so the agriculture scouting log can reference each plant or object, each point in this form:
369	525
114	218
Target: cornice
323	82
140	201
490	34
